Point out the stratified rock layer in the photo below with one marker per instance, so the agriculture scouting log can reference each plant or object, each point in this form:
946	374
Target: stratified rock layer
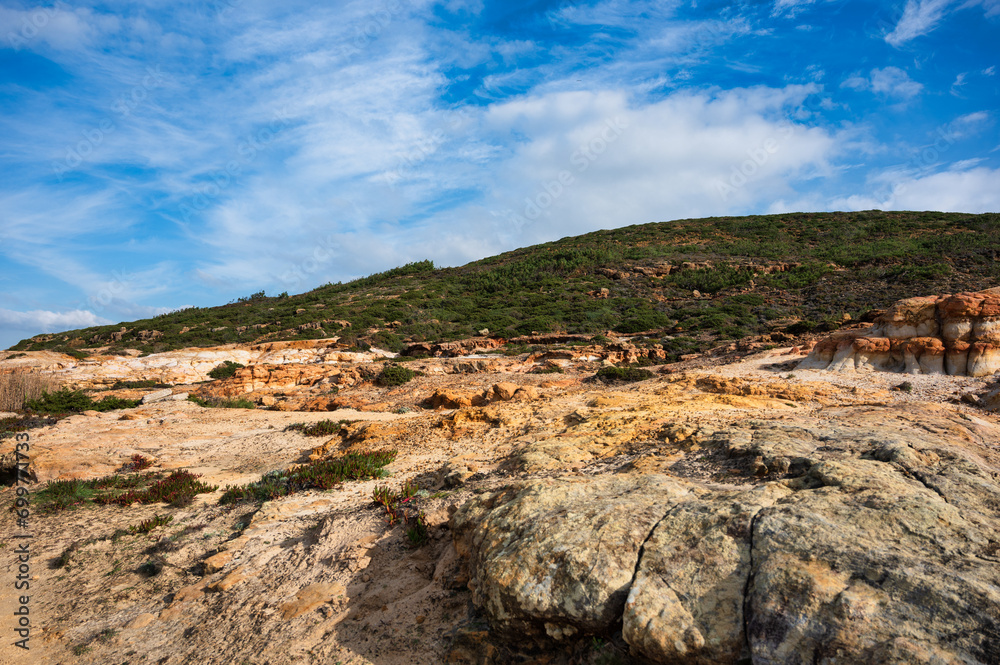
954	334
876	543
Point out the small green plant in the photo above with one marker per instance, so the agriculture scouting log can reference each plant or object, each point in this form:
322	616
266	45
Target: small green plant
394	375
136	463
403	507
81	649
106	635
176	489
148	525
622	374
321	474
905	387
225	370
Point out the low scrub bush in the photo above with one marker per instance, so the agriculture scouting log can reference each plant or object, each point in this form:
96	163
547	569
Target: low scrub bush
221	402
74	401
225	370
319	474
322	428
177	488
11	426
394	375
624	374
138	385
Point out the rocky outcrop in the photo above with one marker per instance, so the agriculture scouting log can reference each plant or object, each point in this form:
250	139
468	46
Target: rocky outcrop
954	334
462	347
498	392
182	366
870	540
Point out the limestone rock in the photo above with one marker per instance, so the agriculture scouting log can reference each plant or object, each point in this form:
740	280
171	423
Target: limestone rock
156	396
954	334
686	602
871	538
554	557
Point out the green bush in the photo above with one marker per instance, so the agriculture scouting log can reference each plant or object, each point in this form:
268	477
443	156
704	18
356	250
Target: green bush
221	402
394	375
319	474
613	374
74	401
225	370
322	428
178	488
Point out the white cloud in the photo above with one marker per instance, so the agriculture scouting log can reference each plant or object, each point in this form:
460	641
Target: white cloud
923	16
965	126
888	81
45	321
971	190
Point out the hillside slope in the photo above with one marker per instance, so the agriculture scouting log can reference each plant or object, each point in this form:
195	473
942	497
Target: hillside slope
696	281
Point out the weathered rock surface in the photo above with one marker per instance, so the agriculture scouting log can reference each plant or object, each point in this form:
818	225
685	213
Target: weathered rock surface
178	367
953	334
871	537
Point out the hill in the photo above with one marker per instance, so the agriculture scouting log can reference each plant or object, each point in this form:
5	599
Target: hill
696	282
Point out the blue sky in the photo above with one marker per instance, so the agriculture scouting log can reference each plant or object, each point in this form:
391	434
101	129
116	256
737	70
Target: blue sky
156	155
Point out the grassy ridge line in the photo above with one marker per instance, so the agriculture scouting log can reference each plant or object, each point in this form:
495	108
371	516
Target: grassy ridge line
847	263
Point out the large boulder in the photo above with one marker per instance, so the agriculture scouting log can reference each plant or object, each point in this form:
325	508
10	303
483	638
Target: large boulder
861	536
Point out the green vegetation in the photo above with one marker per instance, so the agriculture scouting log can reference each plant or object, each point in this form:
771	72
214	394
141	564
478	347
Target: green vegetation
755	275
148	525
138	385
176	489
13	425
322	428
65	400
613	374
221	402
403	506
319	474
225	370
394	375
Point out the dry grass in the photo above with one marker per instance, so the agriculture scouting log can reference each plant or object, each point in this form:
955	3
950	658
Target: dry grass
19	386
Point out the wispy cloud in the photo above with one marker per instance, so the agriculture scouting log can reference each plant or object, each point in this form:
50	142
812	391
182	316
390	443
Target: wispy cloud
920	17
888	81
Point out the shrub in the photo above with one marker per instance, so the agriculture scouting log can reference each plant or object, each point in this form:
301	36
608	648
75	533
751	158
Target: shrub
319	474
322	428
612	374
394	375
74	401
642	322
221	402
11	426
148	525
178	488
145	383
19	387
225	370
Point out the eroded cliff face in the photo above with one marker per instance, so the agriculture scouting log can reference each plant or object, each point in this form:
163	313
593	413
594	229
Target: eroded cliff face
731	514
958	335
